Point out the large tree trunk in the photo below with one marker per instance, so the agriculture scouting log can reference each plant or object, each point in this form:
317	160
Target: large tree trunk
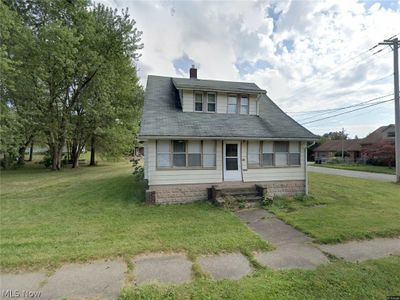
21	155
92	152
31	152
74	155
56	152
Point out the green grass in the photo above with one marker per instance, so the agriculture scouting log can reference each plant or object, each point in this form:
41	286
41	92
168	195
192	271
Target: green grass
48	218
340	280
359	167
352	209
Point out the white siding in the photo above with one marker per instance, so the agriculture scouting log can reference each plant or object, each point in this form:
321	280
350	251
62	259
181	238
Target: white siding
188	101
253	105
158	177
275	174
222	99
145	153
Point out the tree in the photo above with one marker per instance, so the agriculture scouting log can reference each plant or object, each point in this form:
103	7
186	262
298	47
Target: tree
72	45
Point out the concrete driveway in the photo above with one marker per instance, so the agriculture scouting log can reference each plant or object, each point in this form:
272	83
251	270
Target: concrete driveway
356	174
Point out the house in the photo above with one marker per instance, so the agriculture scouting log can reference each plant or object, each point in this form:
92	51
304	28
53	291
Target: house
332	148
202	133
379	146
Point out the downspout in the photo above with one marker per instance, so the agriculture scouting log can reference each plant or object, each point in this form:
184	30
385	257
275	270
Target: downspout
305	165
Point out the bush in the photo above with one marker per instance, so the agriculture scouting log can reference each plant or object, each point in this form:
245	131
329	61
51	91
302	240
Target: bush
138	169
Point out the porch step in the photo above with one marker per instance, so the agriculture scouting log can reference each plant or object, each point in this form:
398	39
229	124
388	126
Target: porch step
243	196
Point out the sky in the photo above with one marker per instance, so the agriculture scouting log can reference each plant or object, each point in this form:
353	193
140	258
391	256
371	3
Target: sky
308	55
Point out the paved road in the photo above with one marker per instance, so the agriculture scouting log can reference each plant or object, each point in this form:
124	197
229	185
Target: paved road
357	174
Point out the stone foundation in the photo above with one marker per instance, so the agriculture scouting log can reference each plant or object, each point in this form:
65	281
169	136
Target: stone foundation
186	193
183	193
284	188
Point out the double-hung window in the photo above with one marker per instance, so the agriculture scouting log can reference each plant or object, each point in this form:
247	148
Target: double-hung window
163	154
244	105
179	154
281	154
268	154
253	148
209	154
198	102
294	149
232	104
211	102
186	154
194	153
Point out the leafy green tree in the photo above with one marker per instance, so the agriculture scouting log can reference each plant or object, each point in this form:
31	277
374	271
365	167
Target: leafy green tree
72	45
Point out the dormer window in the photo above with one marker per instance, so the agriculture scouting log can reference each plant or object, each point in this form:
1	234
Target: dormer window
211	102
244	105
198	102
232	104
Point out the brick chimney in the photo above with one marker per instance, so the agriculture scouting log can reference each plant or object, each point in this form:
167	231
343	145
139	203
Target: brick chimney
193	72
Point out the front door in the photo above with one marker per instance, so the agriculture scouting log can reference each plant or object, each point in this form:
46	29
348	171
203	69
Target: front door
232	171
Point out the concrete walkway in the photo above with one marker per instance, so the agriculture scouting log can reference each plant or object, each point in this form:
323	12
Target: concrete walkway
364	250
103	279
294	248
356	174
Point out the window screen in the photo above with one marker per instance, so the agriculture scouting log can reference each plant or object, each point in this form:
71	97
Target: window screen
232	104
244	105
211	103
194	154
163	154
198	102
253	149
179	154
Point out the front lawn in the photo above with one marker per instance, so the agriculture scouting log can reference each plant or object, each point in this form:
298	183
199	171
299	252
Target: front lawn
48	218
340	280
342	208
359	167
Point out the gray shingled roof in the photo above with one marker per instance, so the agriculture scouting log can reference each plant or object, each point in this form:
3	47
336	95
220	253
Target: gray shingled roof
162	116
214	85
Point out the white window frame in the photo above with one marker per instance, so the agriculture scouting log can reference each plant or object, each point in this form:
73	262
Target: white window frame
215	102
248	104
236	104
195	101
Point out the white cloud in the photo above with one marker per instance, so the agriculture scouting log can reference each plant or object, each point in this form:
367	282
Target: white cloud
304	43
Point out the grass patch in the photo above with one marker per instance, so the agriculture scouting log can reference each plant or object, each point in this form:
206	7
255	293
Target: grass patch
341	280
359	167
343	208
48	218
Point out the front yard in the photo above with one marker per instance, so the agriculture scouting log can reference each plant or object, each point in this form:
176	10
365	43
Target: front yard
359	167
343	208
50	218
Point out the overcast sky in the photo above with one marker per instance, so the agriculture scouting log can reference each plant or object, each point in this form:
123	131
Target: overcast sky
308	55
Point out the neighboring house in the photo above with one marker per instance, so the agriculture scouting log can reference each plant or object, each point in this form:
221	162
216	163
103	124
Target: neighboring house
200	133
380	145
331	148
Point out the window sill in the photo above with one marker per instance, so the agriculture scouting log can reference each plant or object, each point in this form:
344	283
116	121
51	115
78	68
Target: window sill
275	167
184	168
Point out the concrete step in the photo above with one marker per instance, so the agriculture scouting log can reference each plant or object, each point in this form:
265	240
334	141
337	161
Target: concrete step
240	193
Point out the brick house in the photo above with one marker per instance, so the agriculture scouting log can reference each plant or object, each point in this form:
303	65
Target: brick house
331	148
379	145
201	133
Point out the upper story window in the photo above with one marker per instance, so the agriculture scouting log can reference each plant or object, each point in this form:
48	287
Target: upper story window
391	134
211	102
244	105
198	102
232	104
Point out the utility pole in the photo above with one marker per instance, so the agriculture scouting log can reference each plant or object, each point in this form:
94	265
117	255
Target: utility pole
342	145
394	44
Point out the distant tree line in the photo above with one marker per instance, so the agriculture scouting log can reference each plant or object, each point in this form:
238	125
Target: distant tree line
68	78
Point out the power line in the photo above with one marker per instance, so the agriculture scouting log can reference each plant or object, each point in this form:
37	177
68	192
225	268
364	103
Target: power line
343	107
346	112
349	106
331	73
345	62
